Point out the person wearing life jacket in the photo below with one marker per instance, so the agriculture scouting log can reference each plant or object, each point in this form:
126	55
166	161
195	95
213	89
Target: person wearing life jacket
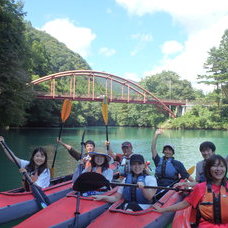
89	146
210	198
136	198
168	170
100	164
123	159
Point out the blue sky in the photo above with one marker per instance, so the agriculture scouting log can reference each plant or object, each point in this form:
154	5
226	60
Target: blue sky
135	38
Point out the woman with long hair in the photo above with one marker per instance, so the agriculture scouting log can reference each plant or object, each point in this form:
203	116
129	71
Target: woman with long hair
36	168
210	198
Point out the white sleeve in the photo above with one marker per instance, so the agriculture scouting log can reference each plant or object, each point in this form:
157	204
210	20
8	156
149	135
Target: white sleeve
108	174
44	179
23	163
150	181
120	188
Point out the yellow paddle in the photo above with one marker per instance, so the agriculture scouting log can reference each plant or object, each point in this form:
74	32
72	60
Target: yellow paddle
191	170
65	112
105	116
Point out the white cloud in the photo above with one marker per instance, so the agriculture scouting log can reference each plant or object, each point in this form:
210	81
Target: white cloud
204	23
192	13
76	38
142	39
189	63
171	47
131	76
107	51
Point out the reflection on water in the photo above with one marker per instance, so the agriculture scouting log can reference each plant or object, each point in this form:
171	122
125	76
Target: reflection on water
23	142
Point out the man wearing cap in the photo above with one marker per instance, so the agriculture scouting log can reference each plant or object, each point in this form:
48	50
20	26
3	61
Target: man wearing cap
123	159
168	169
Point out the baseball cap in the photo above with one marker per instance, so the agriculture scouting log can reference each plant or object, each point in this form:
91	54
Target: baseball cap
126	144
170	146
137	158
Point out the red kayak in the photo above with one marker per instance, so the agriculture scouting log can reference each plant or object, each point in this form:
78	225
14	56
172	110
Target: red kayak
185	218
114	217
17	203
62	212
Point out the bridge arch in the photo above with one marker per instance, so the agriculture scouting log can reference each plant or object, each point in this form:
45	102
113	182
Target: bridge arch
95	85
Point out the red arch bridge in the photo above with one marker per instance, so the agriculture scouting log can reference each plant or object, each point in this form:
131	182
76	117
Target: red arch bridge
88	85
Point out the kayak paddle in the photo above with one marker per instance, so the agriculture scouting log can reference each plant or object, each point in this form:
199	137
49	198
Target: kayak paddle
65	112
191	170
105	116
82	152
91	181
41	199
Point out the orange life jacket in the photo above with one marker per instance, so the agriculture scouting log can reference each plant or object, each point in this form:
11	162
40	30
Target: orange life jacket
214	208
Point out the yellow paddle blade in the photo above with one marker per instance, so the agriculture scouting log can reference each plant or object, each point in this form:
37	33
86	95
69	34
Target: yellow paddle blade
191	170
105	110
66	109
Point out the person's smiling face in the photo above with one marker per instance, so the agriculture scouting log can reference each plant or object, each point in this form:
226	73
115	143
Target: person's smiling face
137	167
218	170
89	148
39	158
206	153
127	151
99	160
168	152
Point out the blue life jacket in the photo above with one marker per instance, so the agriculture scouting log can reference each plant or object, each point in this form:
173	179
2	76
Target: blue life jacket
165	172
134	194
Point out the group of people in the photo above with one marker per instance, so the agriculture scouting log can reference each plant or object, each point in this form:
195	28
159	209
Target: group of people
210	188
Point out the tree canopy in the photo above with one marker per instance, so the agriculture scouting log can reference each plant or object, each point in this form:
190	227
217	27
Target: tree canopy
14	77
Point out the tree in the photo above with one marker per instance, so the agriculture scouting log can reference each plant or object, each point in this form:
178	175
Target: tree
217	68
168	85
14	90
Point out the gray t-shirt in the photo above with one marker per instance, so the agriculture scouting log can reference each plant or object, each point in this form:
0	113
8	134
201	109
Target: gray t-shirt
200	176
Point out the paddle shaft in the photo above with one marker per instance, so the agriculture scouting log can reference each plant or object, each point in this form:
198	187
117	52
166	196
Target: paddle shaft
65	112
56	148
41	198
16	162
82	152
106	127
154	187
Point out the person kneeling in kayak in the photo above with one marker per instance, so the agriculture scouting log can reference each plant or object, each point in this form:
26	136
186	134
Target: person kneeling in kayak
136	198
99	164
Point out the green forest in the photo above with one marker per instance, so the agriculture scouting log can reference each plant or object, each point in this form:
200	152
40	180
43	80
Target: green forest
27	54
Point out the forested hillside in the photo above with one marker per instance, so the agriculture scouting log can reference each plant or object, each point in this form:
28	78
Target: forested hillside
27	53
